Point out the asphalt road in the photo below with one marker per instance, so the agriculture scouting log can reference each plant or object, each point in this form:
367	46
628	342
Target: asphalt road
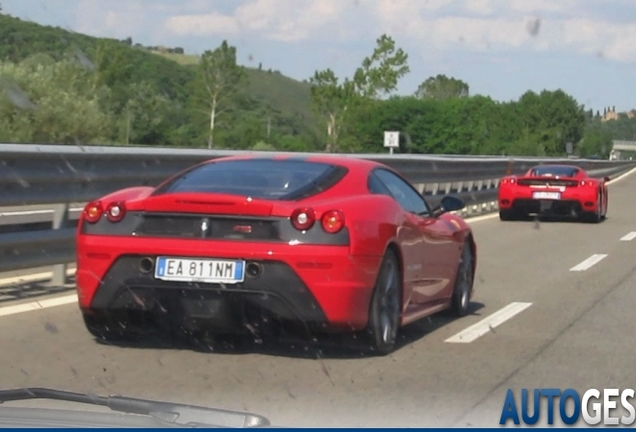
564	329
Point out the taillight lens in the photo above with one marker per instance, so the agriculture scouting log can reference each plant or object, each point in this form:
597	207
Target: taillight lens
587	183
115	211
302	219
333	221
93	211
508	181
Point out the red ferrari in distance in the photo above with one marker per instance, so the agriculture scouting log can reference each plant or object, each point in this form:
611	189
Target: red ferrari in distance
555	190
333	243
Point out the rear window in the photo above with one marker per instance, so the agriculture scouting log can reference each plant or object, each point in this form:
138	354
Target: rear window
258	178
555	171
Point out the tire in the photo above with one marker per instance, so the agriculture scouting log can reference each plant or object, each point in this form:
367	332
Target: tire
596	216
604	215
107	329
385	309
462	290
506	215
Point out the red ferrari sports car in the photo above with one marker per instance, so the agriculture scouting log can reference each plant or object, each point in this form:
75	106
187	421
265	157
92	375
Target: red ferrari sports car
333	243
555	190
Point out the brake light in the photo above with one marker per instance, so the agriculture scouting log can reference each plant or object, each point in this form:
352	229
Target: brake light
302	219
93	211
332	221
115	211
587	183
508	181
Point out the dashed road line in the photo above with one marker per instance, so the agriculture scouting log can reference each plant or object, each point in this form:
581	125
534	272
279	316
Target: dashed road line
588	263
629	237
484	326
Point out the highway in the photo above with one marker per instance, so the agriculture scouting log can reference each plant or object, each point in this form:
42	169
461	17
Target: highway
563	294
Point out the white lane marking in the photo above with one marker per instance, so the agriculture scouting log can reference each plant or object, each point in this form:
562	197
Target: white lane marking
481	218
622	176
34	277
484	326
23	213
594	259
35	212
629	237
37	305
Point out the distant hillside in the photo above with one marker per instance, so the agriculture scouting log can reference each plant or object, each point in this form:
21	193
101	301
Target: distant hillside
282	93
169	71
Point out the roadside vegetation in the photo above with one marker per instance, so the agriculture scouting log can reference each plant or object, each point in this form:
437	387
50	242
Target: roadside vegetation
62	87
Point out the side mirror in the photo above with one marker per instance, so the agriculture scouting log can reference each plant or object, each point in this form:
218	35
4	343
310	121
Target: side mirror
449	204
606	179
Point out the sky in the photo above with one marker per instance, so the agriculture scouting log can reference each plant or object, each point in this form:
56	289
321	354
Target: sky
501	48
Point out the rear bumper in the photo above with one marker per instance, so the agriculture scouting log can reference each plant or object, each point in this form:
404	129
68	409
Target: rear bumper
571	203
321	286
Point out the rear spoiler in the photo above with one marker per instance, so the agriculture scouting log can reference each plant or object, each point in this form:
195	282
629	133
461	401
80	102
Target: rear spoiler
547	181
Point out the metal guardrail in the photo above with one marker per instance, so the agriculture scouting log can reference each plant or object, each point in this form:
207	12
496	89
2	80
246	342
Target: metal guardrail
62	177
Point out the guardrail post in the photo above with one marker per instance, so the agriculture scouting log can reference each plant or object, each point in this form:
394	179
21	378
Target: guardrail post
435	189
60	217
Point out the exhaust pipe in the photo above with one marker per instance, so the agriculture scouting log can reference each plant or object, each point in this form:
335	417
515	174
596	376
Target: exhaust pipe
146	264
253	269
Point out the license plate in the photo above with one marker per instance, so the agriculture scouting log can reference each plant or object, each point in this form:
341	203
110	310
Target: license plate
200	270
547	195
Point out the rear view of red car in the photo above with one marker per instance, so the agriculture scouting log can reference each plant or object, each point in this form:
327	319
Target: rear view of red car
553	190
254	244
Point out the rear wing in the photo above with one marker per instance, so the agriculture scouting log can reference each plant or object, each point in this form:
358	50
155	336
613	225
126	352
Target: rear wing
547	181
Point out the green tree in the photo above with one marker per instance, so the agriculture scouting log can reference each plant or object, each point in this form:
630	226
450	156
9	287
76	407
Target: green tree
219	79
52	103
378	76
596	142
331	99
441	87
144	114
380	73
554	117
113	68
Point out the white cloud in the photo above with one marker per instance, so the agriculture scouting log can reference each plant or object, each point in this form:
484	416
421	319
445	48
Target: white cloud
281	20
201	25
541	6
114	19
498	25
611	41
483	7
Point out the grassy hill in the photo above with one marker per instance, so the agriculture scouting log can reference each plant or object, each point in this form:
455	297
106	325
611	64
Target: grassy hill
282	93
171	72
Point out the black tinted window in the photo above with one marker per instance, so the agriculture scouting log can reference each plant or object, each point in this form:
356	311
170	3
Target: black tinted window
376	186
403	193
258	178
555	171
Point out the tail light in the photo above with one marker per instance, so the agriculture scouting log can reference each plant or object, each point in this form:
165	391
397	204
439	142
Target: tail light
588	183
302	219
115	211
333	221
508	181
93	211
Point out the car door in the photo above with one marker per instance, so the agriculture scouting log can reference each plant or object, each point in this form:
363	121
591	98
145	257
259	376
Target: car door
427	242
408	236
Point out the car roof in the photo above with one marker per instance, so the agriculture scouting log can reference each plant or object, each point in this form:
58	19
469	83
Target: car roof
557	166
334	159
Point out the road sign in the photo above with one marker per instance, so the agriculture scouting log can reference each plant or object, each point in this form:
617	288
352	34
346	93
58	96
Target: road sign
391	139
